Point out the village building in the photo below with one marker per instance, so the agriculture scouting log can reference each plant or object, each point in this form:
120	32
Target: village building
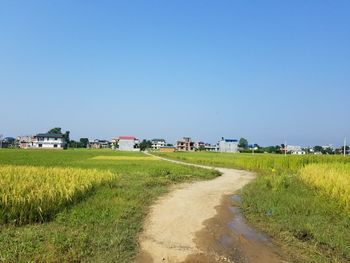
25	142
99	144
199	145
228	145
300	152
295	150
202	146
185	144
126	143
158	143
211	147
49	141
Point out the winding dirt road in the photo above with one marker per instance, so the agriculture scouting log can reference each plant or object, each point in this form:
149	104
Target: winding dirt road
174	220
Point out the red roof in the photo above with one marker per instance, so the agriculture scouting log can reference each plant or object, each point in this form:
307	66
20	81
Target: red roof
127	138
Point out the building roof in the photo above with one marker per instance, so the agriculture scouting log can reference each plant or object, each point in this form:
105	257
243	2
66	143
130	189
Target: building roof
50	135
98	141
230	140
158	140
127	138
9	139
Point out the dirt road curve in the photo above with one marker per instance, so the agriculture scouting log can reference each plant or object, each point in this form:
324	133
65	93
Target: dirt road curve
170	229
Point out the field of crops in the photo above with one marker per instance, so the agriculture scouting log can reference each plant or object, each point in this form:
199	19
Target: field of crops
35	194
88	205
79	205
331	179
301	201
262	163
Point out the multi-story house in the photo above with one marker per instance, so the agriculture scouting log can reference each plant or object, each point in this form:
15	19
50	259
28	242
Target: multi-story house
126	143
158	143
25	142
99	144
185	144
228	145
49	141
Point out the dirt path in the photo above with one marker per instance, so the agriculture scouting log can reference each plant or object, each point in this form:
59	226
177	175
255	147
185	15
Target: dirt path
174	220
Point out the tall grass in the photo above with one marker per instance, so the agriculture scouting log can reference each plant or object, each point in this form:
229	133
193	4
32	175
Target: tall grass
332	179
35	194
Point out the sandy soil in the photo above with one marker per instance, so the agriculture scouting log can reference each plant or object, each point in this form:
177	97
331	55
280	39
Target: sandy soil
170	229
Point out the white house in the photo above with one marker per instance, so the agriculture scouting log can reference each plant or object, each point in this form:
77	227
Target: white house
207	147
126	143
228	145
49	141
295	149
157	143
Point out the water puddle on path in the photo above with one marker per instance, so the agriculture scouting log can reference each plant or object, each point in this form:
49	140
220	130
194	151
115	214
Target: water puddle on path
228	238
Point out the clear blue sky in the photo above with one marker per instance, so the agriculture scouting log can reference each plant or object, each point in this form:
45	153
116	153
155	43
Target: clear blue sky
269	71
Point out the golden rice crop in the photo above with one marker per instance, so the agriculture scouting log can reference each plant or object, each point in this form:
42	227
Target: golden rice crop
124	158
333	179
35	194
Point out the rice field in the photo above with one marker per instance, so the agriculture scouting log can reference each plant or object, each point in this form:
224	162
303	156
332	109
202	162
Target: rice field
331	179
262	163
34	194
88	205
80	205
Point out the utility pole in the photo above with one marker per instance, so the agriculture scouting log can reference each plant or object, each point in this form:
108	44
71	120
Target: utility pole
344	146
285	148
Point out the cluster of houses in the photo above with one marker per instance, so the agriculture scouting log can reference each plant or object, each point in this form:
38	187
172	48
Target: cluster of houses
299	150
123	143
41	140
131	143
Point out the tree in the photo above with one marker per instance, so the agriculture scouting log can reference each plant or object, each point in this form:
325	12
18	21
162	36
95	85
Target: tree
66	136
270	149
318	148
76	144
243	143
201	148
278	149
84	142
145	144
56	130
328	150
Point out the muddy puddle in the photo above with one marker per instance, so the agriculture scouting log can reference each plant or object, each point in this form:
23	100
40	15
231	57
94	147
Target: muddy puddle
228	238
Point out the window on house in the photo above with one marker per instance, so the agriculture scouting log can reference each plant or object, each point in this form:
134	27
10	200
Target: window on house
40	145
55	145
